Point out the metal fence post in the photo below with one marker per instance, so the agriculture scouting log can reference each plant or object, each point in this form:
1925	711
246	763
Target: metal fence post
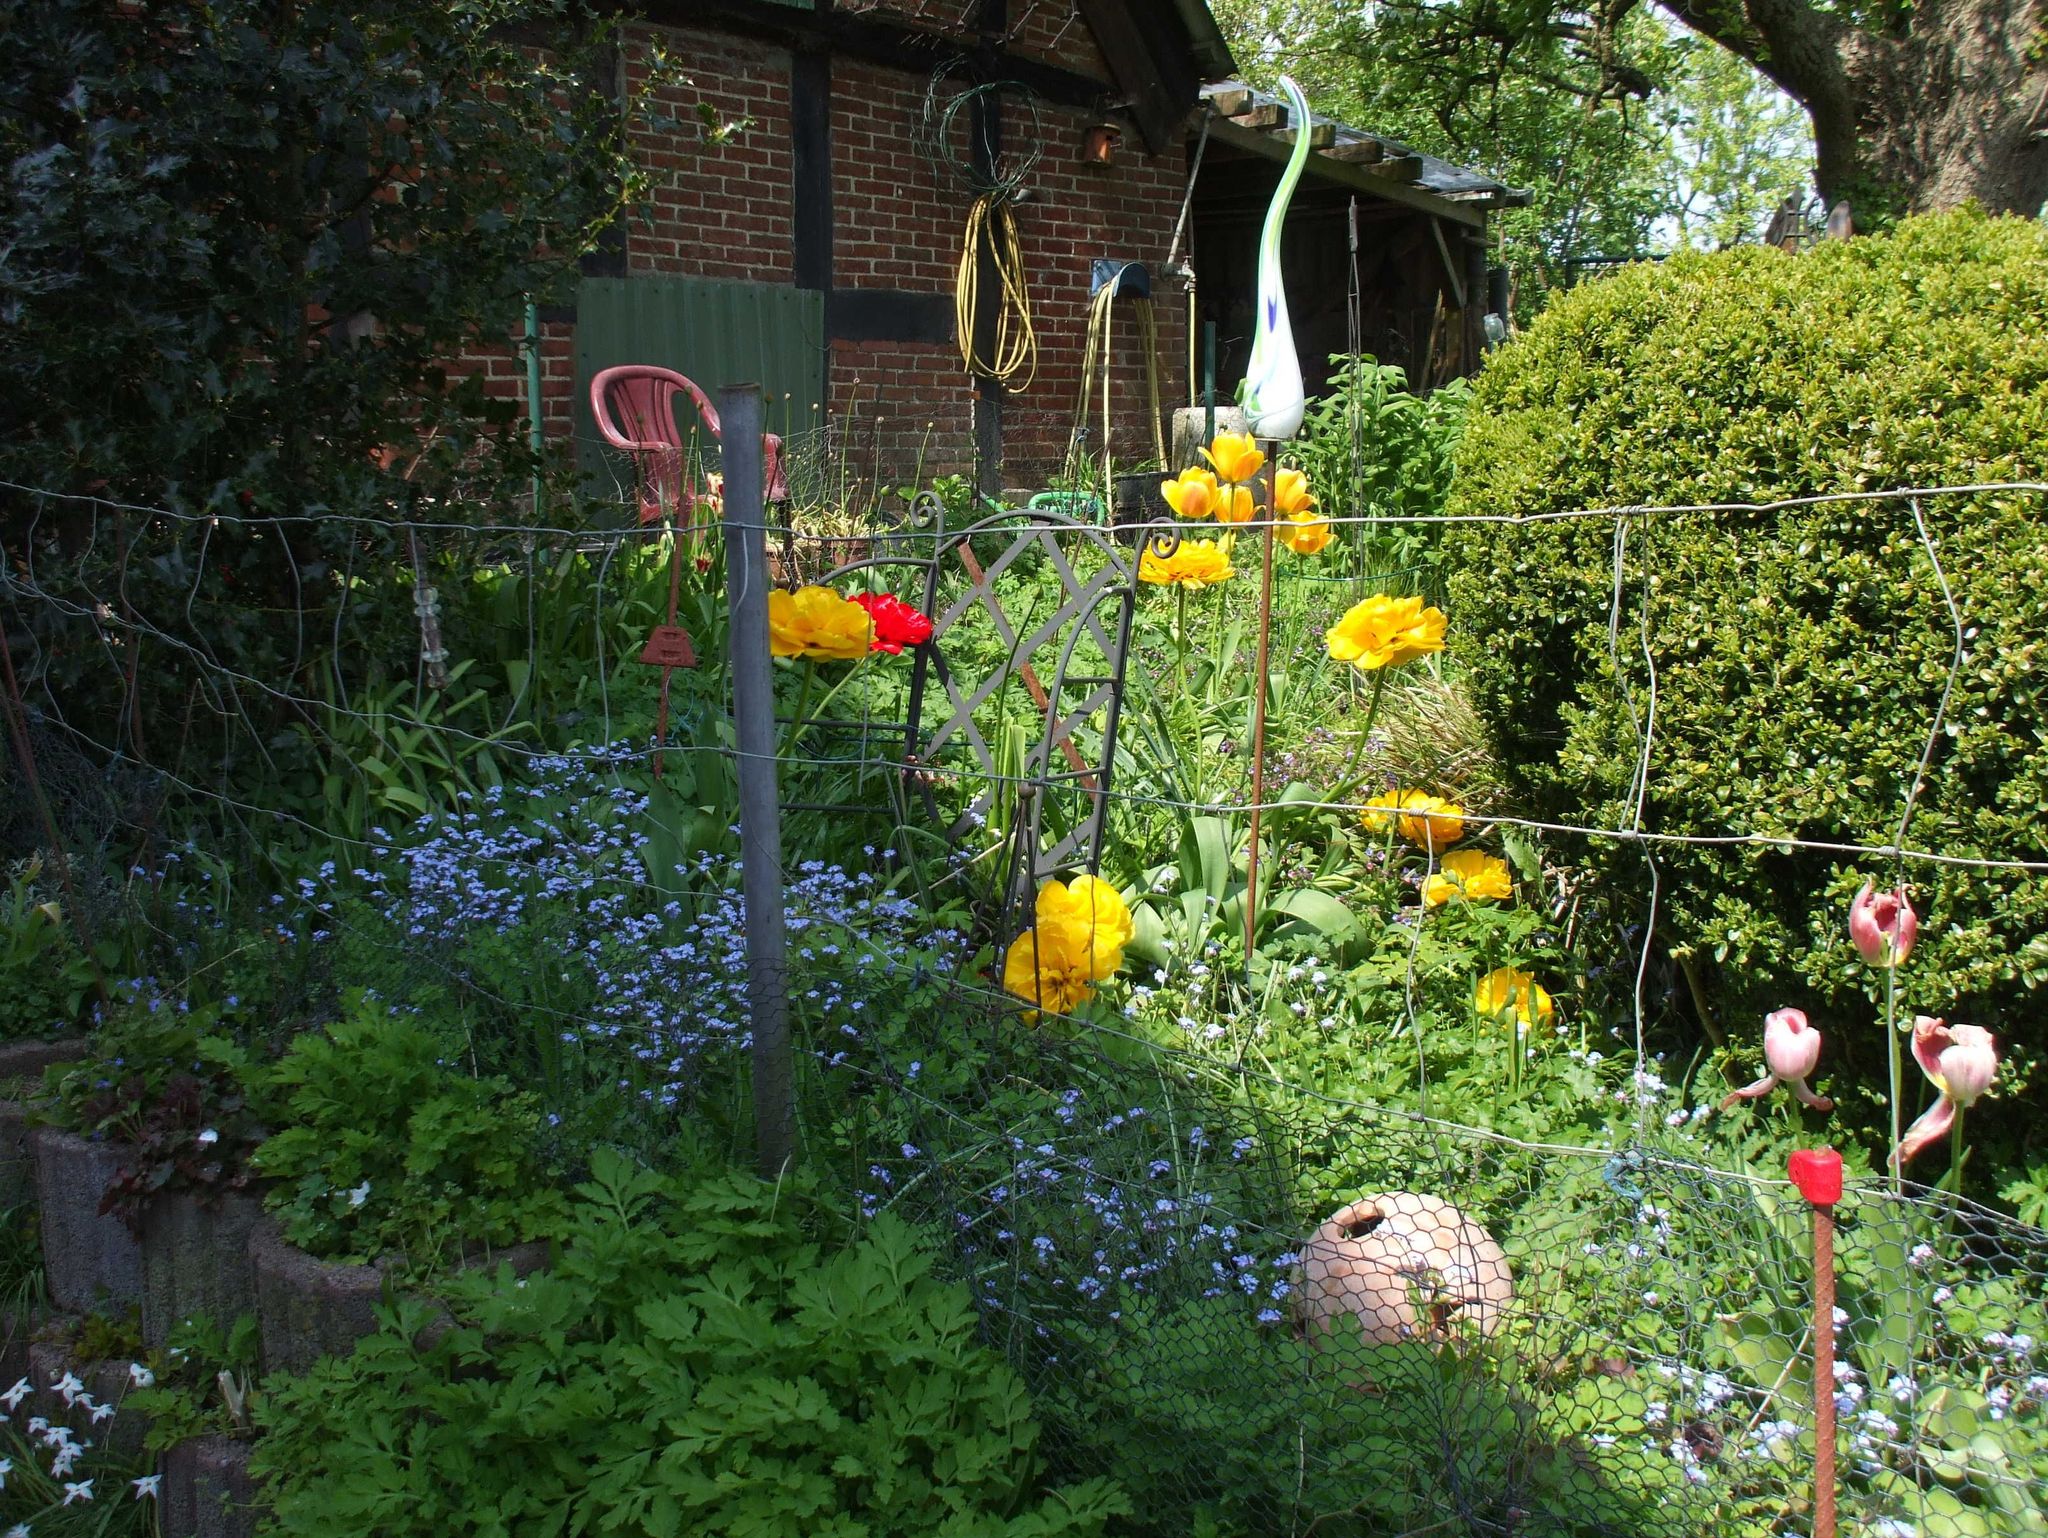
753	712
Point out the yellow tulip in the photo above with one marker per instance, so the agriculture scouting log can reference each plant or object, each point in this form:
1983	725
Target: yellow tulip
1471	874
816	622
1426	821
1043	968
1236	456
1234	504
1091	920
1290	493
1196	564
1382	631
1304	533
1505	989
1192	494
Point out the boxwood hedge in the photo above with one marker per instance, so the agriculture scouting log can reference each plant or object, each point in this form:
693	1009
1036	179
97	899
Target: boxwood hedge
1799	655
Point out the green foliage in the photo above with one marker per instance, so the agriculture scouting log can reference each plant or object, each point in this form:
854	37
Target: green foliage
45	978
696	1361
384	1148
1800	655
201	1384
168	1081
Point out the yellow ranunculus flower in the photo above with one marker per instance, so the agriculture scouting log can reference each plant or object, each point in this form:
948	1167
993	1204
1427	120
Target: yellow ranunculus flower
1426	821
1082	928
1471	874
1044	968
1382	631
1236	456
1304	533
1505	989
1091	919
1197	564
817	622
1290	493
1234	504
1192	494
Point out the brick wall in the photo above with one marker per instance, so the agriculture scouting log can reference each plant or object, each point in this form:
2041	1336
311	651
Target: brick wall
716	210
895	409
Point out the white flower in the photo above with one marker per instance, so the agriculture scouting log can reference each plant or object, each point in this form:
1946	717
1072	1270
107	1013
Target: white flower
358	1195
14	1396
207	1138
67	1455
69	1387
101	1412
141	1376
1921	1254
19	1530
6	1468
82	1491
146	1487
37	1423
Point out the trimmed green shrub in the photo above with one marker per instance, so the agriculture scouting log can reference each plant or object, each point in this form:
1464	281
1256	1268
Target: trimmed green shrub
1799	655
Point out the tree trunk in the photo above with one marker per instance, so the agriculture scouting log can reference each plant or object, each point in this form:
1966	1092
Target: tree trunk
1944	109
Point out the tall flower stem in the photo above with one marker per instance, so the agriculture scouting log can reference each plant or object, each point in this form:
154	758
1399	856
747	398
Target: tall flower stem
1891	1041
1347	781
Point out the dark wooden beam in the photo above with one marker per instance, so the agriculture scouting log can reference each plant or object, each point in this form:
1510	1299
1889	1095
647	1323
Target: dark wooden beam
985	145
810	136
1156	102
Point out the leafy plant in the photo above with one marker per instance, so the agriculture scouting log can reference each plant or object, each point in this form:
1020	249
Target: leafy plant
45	977
695	1361
201	1384
383	1148
164	1081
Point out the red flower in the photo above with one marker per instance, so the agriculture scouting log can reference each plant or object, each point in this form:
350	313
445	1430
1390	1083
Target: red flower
897	624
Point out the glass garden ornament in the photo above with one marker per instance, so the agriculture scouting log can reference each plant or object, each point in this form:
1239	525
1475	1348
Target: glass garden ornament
1273	400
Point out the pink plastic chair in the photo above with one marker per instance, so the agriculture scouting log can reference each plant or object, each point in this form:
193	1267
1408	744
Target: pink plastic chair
635	408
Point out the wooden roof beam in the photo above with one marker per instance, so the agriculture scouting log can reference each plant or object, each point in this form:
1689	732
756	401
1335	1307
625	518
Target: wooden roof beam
1345	174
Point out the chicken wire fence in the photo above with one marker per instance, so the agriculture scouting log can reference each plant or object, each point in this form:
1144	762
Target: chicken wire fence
1260	1306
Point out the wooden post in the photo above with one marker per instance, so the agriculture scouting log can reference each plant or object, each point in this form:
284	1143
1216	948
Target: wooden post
753	710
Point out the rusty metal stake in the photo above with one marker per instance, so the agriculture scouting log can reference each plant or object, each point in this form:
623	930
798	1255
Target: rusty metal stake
1817	1172
1251	859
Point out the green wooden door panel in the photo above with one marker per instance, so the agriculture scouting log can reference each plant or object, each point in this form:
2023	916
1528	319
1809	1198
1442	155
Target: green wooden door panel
713	331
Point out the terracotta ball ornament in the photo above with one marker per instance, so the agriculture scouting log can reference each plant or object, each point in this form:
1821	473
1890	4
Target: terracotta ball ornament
1406	1266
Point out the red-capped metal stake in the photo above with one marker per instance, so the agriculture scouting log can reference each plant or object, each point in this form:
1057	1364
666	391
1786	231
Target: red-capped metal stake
1817	1172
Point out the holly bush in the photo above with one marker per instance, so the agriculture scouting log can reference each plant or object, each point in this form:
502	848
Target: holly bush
1798	655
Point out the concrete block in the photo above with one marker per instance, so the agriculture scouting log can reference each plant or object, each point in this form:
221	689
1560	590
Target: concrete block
195	1259
17	1161
207	1491
309	1308
26	1060
91	1261
1188	441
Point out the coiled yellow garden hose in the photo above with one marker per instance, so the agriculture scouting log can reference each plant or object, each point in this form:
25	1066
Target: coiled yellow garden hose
1016	343
1095	361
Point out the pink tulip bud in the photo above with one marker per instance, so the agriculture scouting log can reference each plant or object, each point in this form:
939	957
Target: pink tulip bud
1791	1046
1883	926
1960	1061
1791	1052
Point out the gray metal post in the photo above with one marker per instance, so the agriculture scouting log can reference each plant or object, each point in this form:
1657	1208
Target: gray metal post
753	713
